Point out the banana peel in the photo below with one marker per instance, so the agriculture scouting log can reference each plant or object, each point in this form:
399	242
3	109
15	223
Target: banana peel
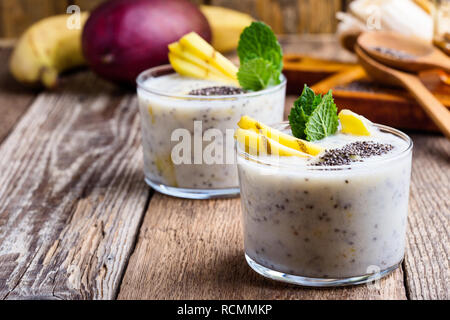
46	49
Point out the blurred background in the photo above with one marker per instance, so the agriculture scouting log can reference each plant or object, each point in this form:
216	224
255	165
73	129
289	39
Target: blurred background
284	16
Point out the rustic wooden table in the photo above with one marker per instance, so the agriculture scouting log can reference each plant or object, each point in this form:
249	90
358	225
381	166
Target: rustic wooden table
77	220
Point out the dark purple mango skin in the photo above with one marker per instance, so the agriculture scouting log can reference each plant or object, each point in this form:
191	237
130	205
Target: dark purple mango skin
122	38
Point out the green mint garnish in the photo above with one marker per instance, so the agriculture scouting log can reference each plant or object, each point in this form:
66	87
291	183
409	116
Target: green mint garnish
313	117
260	56
323	121
303	107
256	74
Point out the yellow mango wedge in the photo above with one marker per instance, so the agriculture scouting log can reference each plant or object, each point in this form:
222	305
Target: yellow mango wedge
257	144
188	69
353	123
199	47
176	49
284	139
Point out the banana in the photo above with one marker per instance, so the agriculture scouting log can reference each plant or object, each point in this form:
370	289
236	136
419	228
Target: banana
193	56
46	49
257	144
226	25
286	140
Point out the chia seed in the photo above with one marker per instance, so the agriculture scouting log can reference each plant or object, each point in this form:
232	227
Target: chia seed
217	91
353	152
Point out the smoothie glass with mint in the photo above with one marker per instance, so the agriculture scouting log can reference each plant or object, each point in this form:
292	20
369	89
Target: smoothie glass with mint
327	225
189	110
169	102
325	212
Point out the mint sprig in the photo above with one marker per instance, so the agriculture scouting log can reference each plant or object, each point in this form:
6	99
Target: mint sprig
313	117
260	56
302	110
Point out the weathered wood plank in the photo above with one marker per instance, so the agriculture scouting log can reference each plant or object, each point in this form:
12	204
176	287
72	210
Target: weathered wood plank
324	46
16	16
290	16
14	98
194	250
71	193
318	16
87	5
428	236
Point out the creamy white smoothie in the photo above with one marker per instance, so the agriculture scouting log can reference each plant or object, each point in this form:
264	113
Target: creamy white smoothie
305	217
166	104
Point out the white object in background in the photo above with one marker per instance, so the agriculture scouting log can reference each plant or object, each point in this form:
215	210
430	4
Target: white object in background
403	16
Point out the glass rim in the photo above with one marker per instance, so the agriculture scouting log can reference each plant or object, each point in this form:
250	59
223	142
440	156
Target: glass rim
354	166
144	75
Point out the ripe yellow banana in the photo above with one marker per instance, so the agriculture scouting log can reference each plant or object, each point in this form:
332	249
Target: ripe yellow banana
46	49
226	26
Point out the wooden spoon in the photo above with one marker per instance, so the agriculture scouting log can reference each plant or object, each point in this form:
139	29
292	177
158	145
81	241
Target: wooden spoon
401	52
435	109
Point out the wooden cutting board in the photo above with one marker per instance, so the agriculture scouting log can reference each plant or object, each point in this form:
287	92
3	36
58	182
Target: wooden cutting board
353	89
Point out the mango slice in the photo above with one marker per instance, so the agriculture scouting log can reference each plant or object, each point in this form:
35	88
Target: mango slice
353	123
194	57
175	49
284	139
257	144
188	69
202	49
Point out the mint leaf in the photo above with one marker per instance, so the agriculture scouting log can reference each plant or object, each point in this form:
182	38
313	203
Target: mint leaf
302	110
313	117
323	121
309	100
258	42
256	74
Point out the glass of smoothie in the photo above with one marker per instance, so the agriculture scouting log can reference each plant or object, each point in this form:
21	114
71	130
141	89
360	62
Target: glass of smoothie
174	107
337	218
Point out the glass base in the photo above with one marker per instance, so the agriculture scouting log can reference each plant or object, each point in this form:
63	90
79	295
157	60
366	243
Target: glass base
193	193
317	282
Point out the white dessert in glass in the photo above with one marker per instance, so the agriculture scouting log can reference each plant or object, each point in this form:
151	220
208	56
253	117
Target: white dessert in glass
166	105
319	224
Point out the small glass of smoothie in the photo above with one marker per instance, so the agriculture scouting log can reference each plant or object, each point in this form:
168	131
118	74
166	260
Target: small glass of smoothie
338	218
178	109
